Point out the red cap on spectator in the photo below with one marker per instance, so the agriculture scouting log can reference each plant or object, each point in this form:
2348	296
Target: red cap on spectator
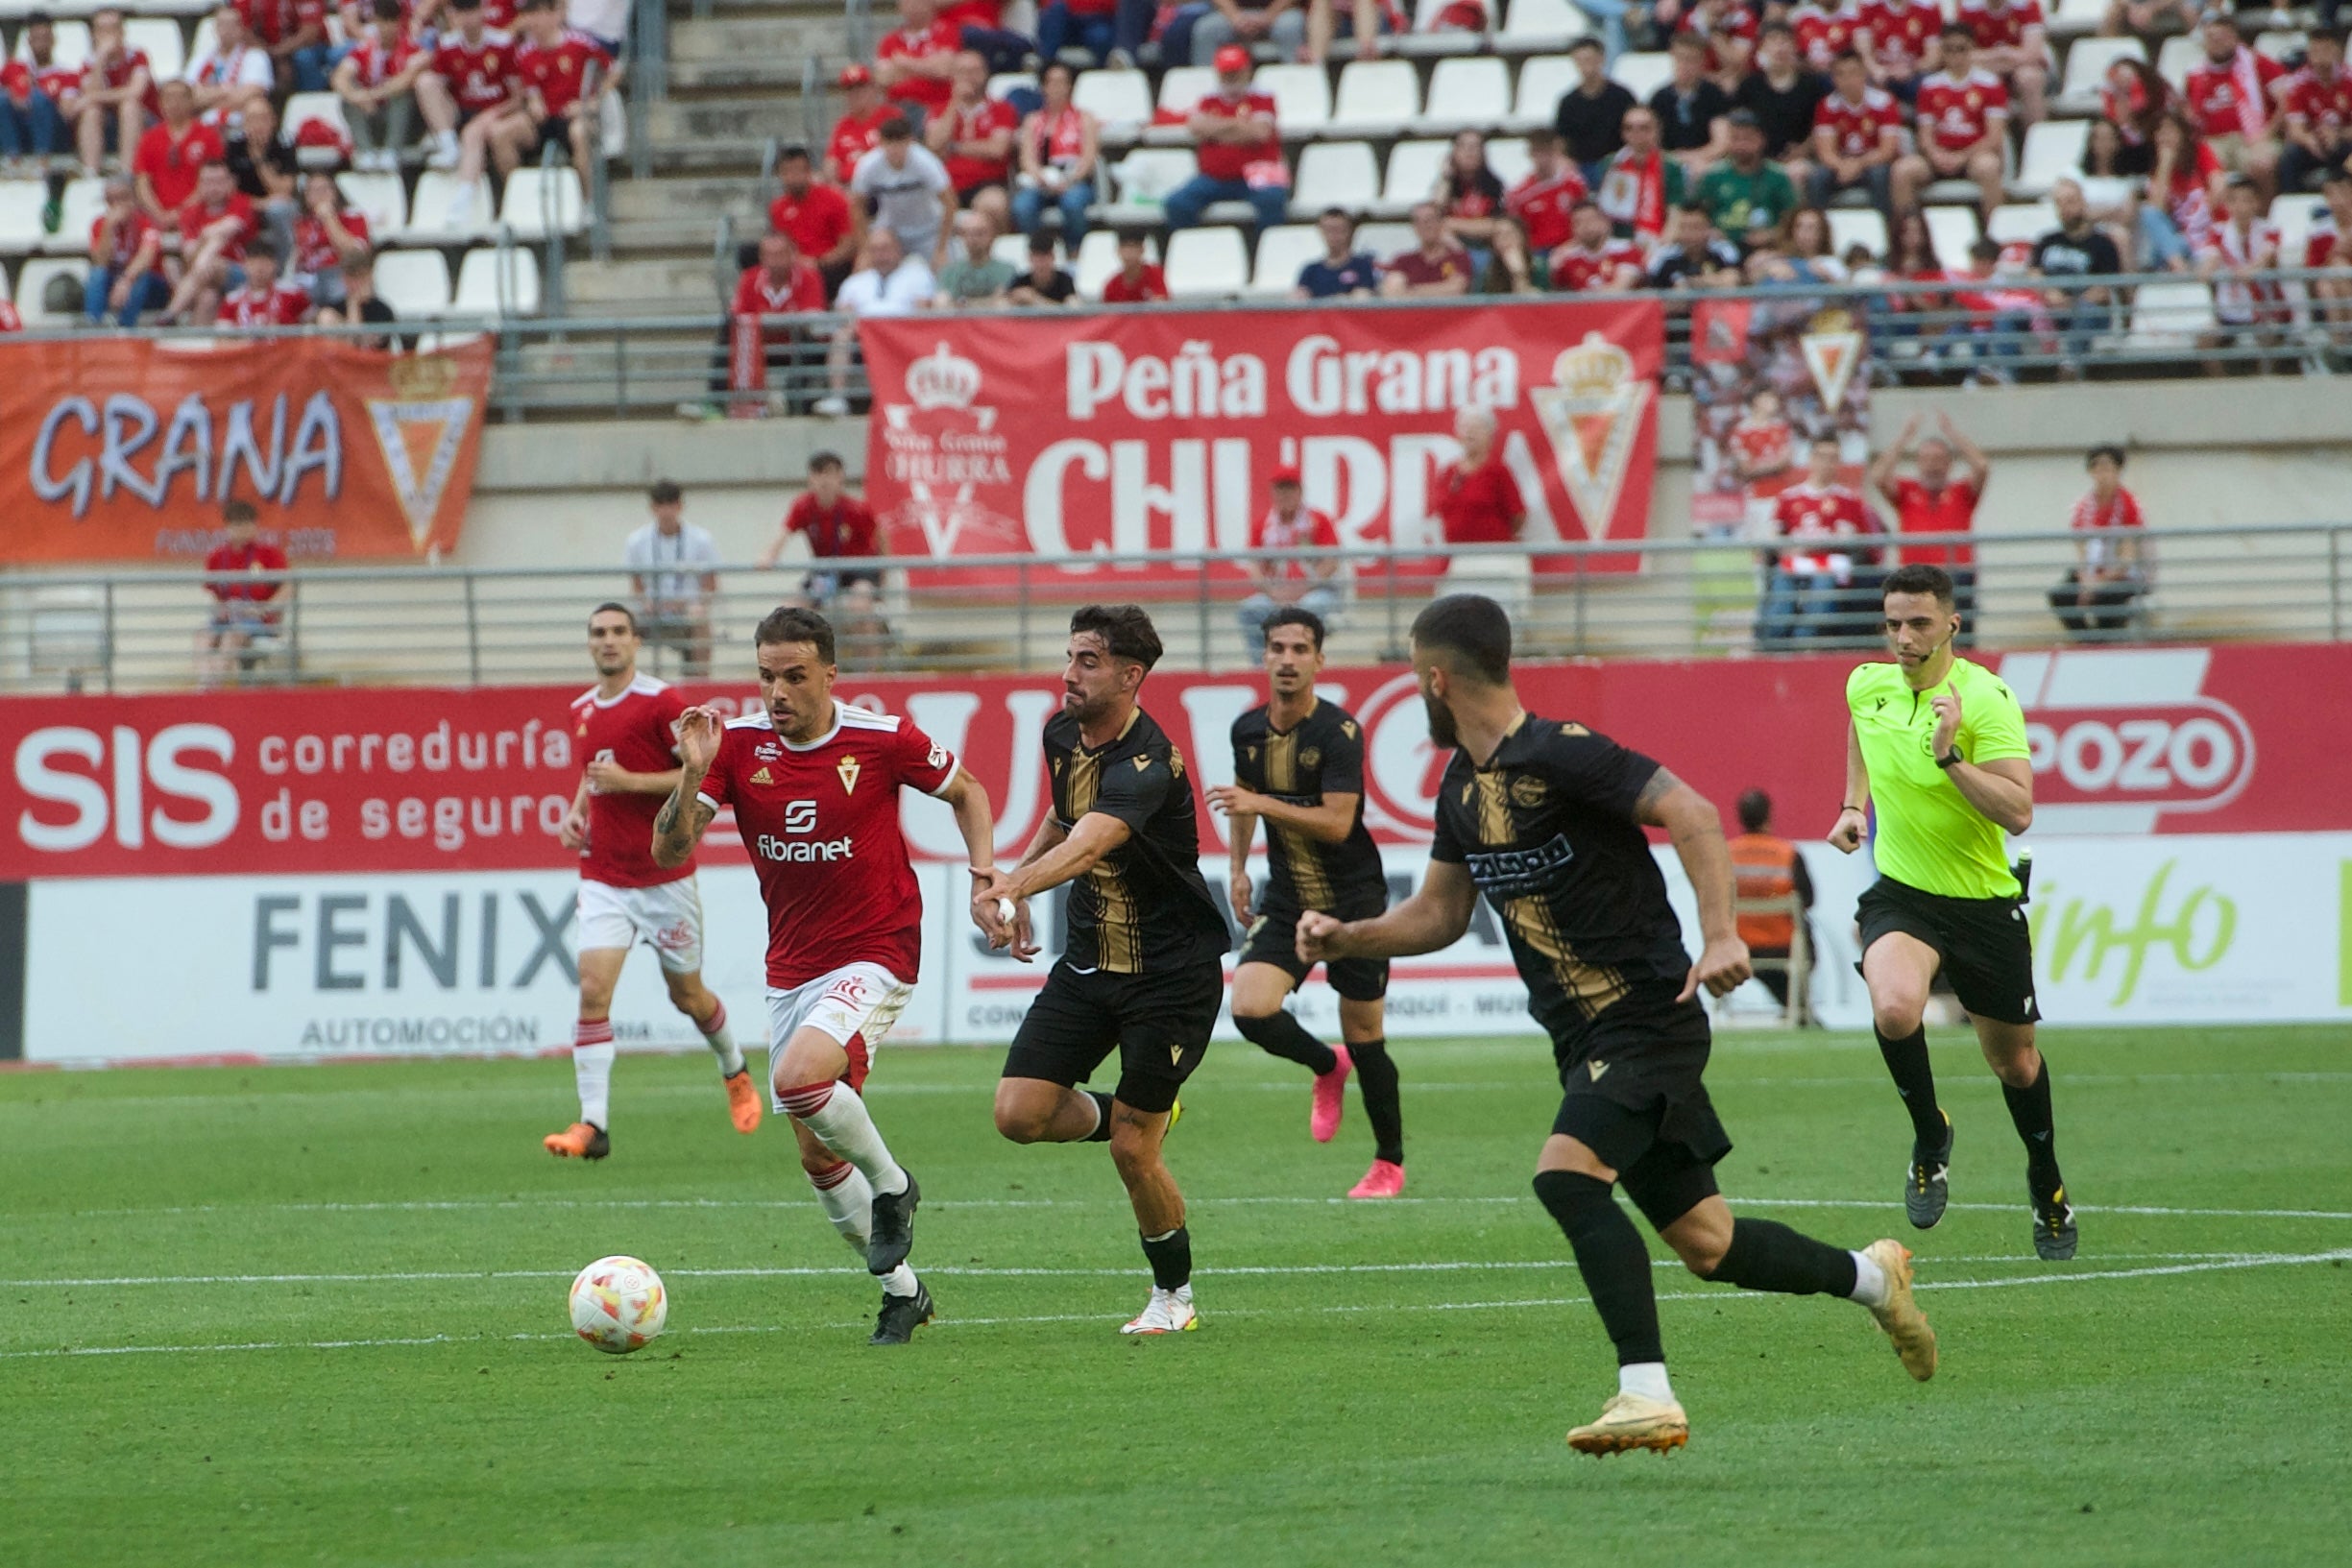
1230	58
855	76
1285	476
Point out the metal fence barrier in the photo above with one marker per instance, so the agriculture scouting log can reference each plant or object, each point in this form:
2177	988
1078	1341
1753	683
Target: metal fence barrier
1702	597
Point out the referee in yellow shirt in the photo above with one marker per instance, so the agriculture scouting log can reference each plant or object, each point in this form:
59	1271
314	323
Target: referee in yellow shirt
1940	742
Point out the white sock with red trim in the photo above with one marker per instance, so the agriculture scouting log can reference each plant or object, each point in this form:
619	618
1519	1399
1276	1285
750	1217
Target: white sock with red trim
722	1043
833	1112
592	1069
848	1201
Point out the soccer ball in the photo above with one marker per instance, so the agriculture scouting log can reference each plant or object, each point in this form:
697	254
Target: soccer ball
617	1304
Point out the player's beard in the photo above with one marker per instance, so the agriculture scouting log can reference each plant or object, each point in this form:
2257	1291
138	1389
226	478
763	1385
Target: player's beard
1443	734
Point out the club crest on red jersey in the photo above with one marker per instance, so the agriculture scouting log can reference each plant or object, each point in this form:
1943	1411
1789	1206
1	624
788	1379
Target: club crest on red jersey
847	768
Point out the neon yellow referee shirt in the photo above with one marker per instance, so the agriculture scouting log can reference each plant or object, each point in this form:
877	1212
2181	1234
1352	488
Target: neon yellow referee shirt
1929	836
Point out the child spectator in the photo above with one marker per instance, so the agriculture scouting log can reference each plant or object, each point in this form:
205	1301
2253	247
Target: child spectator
1137	282
2243	243
1542	201
1344	272
264	299
1045	283
2094	600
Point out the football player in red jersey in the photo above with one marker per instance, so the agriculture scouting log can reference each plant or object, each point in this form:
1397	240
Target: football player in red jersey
815	784
626	728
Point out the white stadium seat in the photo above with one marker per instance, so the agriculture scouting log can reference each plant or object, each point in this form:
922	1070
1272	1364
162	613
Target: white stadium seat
1207	263
2281	43
382	196
1467	91
1005	84
1542	24
2073	16
1013	250
1641	74
1543	80
1506	157
1377	95
1119	99
159	36
413	283
2169	315
1383	240
1182	87
20	215
1335	174
491	282
1301	95
2021	223
33	282
1281	254
1954	230
85	199
429	220
538	201
305	108
1098	260
1851	226
2086	65
2177	57
2053	151
2294	216
1414	167
1144	177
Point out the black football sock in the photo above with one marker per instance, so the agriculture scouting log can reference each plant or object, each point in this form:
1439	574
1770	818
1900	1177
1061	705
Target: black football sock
1376	1081
1279	1033
2029	1109
1172	1258
1766	1254
1906	1060
1610	1256
1102	1126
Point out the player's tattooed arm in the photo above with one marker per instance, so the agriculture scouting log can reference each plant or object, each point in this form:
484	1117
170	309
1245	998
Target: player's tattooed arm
1691	819
678	826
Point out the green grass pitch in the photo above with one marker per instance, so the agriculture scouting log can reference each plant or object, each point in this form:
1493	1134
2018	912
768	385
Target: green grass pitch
317	1314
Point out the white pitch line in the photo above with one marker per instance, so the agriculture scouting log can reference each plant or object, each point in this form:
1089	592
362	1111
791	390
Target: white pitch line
2258	1261
969	1271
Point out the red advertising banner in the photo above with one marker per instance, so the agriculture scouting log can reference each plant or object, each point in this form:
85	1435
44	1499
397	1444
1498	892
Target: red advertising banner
2182	741
116	448
1075	438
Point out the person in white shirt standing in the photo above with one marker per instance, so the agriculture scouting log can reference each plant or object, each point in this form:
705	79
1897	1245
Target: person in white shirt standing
673	574
891	283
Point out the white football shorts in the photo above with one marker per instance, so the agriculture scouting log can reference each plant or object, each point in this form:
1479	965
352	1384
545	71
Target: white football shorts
667	919
855	1005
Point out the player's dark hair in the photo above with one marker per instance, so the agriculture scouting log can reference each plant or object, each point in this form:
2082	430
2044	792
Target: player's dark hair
1293	614
2106	449
613	606
665	492
1919	579
1845	55
1124	629
233	513
790	624
1953	30
825	462
1755	810
1471	627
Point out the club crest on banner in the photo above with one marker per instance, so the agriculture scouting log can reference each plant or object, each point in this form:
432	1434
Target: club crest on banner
1831	348
1592	414
941	444
419	433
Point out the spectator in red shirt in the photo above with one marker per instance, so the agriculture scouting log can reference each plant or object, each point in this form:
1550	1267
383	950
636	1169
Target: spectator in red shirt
1813	579
1280	578
859	129
2097	597
973	135
1542	201
916	63
821	221
110	106
125	261
469	88
1963	124
329	232
1478	501
563	75
32	91
215	227
2013	43
1060	147
1594	260
378	84
842	536
1858	140
2318	104
172	150
782	282
2228	93
1434	268
245	575
1937	502
1137	282
1239	148
264	299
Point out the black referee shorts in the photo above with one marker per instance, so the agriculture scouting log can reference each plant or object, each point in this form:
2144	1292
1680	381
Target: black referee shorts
1984	945
1272	939
1158	1023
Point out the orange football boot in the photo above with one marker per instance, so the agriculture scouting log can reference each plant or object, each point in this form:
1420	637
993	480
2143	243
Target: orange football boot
743	1102
580	1140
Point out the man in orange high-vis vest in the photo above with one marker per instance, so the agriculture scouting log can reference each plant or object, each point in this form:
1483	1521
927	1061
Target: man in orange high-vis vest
1767	866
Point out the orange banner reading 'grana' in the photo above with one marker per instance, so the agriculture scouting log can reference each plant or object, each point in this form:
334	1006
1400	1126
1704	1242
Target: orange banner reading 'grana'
124	448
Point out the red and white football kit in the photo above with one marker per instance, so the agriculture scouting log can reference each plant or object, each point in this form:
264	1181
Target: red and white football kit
283	306
624	896
1823	34
1575	268
1902	34
1809	516
2232	99
1958	111
844	911
481	76
1542	206
2322	104
1858	127
2001	29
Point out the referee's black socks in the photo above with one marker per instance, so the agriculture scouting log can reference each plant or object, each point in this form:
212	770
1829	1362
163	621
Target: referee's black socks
1906	1061
2029	1109
1282	1034
1610	1256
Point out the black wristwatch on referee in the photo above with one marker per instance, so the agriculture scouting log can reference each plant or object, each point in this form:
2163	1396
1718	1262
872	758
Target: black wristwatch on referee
1950	759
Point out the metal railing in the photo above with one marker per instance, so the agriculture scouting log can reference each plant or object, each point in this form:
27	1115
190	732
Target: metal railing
623	367
1680	597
